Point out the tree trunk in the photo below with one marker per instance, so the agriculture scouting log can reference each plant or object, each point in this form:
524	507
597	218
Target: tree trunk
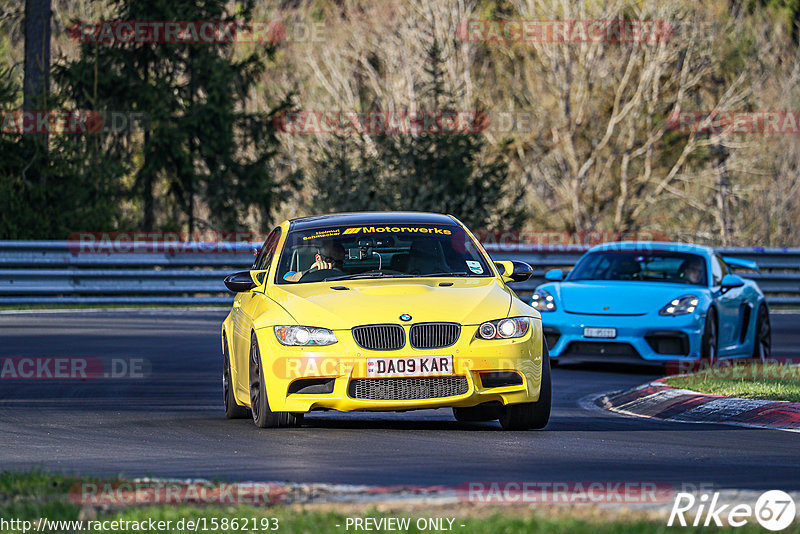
148	221
37	54
36	83
722	190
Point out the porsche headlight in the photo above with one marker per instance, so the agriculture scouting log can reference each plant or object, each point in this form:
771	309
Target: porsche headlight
302	336
680	306
543	301
504	328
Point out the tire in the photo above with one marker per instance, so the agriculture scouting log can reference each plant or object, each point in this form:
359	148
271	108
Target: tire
710	340
232	409
762	344
263	416
532	414
477	414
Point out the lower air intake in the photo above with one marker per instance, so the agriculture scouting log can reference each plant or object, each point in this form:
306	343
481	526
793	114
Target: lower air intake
407	388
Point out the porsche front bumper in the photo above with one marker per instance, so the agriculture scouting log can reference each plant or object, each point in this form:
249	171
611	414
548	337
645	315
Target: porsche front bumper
637	339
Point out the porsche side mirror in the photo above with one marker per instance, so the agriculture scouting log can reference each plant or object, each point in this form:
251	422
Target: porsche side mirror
514	271
730	281
240	282
554	275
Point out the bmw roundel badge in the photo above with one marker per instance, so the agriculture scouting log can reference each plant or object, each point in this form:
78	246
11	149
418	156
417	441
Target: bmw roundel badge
405	317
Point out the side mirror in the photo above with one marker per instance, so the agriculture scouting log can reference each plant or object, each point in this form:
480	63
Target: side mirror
514	271
730	281
240	282
554	275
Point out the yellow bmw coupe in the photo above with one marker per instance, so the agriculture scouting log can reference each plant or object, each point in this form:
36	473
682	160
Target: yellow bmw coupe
382	311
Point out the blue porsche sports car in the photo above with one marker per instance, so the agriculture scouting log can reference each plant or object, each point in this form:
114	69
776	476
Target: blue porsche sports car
654	302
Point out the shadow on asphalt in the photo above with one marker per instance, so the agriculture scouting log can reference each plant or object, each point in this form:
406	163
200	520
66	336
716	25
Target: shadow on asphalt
613	368
559	424
354	423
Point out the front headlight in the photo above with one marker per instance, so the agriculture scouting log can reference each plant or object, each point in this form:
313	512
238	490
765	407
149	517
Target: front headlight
680	306
302	336
543	301
504	328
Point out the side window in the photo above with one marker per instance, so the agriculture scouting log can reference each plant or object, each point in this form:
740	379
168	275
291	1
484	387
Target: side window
723	266
718	269
264	258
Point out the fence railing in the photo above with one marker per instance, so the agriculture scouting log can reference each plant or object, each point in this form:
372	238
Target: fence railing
53	272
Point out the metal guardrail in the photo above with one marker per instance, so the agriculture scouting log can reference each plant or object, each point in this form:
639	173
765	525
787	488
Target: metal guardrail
54	272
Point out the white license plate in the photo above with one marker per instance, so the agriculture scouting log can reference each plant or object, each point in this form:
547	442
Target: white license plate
410	366
599	332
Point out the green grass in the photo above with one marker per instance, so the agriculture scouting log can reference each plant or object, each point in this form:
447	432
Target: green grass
31	496
767	382
323	522
316	522
34	495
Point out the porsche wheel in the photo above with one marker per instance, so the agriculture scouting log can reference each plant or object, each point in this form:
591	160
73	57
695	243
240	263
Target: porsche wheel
762	347
708	347
532	414
232	410
263	417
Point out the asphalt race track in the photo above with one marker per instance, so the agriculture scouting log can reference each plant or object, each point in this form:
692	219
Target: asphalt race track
171	423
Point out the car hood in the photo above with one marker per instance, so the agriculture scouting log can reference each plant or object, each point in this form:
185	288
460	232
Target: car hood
603	297
467	301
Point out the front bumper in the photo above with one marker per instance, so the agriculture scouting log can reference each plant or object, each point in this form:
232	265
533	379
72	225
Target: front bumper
345	362
640	338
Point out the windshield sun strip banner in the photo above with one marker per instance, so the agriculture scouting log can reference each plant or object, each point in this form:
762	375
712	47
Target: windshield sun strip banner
379	229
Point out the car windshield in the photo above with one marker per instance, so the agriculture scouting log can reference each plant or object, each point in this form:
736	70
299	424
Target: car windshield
346	253
674	267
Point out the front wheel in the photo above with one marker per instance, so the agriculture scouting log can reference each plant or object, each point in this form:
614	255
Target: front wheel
532	414
263	416
232	409
762	345
708	346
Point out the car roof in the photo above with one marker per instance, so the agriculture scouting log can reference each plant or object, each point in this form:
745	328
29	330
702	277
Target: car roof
371	217
650	246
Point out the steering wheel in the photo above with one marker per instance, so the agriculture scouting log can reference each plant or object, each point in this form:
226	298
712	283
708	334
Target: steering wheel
319	275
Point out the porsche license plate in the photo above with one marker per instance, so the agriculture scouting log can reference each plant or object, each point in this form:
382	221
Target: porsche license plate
599	332
410	366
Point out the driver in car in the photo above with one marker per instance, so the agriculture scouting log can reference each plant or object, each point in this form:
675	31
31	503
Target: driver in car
692	271
329	257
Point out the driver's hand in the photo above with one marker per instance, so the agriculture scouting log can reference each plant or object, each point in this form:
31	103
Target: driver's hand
320	265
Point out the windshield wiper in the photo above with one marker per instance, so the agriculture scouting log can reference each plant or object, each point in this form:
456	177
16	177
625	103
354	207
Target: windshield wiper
381	274
444	274
368	274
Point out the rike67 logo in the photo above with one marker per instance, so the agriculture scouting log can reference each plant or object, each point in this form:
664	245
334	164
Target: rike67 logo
774	510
